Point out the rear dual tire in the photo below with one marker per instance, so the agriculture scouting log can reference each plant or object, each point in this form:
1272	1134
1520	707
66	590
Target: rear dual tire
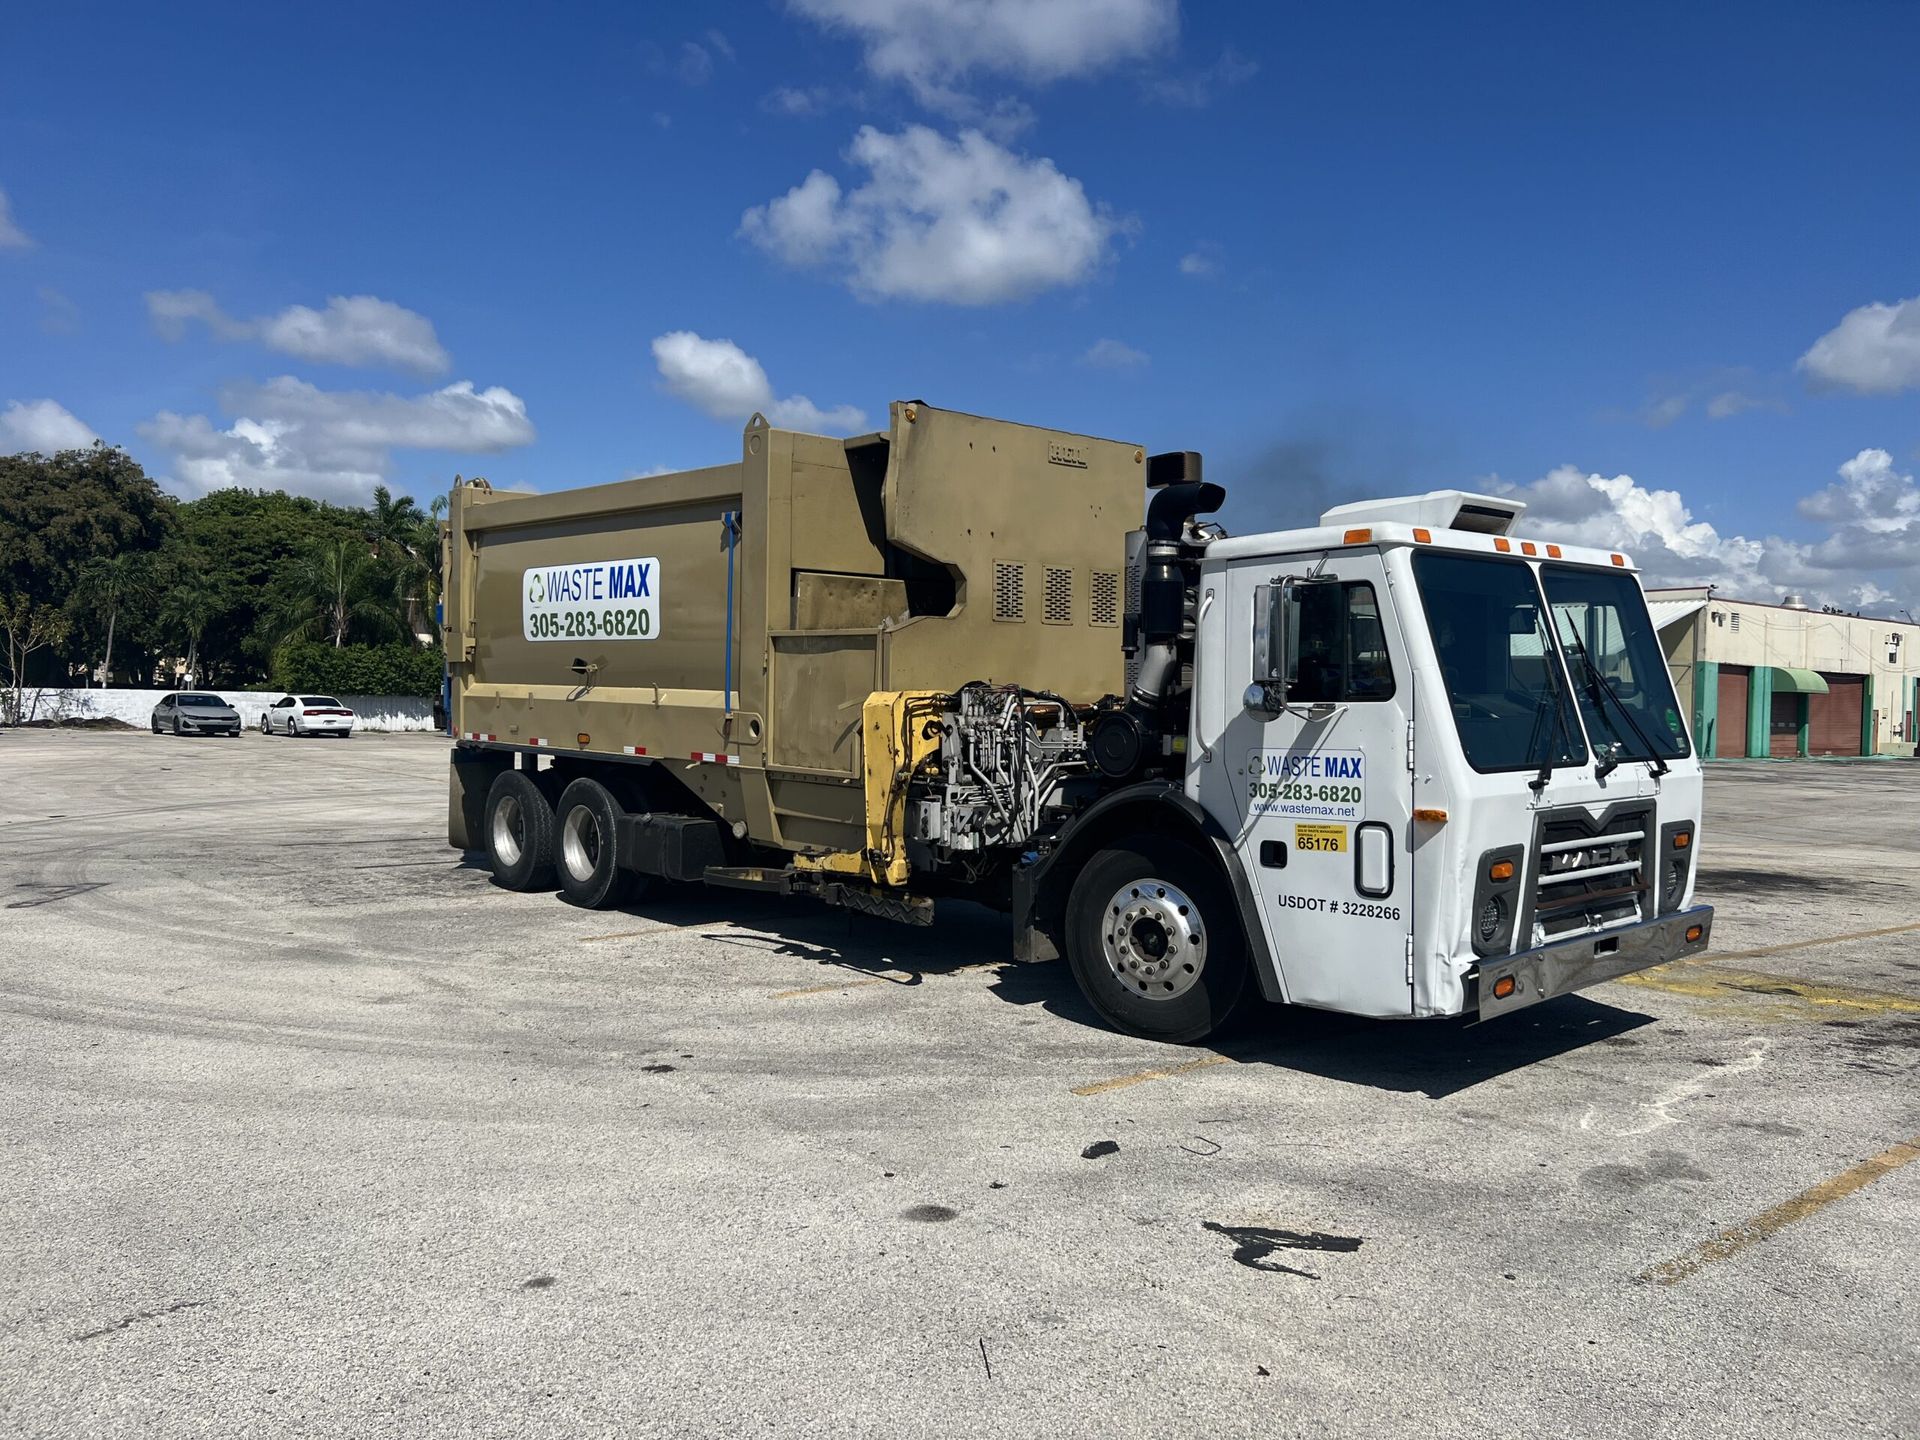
586	848
519	832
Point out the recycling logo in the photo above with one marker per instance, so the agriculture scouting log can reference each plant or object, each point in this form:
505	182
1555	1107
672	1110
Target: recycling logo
536	588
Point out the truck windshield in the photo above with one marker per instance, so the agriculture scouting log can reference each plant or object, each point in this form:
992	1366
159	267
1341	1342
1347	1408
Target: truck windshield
1504	681
1619	672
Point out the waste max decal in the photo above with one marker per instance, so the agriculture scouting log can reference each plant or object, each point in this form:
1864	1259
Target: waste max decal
1317	784
602	600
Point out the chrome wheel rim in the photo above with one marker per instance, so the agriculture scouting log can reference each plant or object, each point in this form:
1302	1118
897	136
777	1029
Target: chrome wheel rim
509	830
580	843
1153	939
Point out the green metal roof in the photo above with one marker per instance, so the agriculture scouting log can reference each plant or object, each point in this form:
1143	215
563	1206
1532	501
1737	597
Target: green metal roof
1790	680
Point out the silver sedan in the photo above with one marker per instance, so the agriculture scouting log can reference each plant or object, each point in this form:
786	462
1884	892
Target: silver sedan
188	713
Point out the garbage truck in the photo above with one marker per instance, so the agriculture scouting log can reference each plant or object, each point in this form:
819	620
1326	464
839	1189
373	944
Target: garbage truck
1403	762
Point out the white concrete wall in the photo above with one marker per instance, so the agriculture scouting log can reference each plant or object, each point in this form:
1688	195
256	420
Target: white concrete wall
135	707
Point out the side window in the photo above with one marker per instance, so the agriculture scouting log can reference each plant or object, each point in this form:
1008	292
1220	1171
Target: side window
1338	645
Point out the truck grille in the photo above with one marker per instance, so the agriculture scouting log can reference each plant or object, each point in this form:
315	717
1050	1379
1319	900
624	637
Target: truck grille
1591	874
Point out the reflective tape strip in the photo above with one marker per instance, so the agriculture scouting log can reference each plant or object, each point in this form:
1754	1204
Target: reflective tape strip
476	735
633	749
536	740
707	757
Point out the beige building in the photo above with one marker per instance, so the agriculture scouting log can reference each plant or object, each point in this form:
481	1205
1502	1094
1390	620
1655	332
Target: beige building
1785	681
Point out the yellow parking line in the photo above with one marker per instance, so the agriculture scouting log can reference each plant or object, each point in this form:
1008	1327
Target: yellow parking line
630	934
1140	1077
890	977
1787	945
1733	1240
1718	984
829	989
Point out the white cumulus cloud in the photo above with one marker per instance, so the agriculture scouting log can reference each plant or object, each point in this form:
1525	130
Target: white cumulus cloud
723	380
1113	355
351	330
12	237
43	425
1874	349
1868	555
934	46
962	221
331	444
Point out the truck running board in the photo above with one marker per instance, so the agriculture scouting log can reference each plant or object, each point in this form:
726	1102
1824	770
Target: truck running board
903	909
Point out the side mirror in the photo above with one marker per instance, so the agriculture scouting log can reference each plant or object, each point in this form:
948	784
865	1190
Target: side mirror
1267	695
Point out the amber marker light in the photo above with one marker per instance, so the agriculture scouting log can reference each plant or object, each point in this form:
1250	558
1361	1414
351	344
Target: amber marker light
1683	840
1553	552
1694	932
1430	816
1357	537
1425	537
1527	547
583	737
1503	987
1503	546
1500	870
1619	559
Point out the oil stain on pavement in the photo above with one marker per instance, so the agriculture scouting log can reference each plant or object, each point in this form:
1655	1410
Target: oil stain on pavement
1254	1245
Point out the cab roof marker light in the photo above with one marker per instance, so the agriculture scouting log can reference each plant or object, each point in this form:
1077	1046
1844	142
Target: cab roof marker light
1527	547
1619	559
1357	537
1502	544
1553	552
1424	537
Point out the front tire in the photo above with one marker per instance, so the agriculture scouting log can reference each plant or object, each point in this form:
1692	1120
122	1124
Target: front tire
1155	940
519	831
585	850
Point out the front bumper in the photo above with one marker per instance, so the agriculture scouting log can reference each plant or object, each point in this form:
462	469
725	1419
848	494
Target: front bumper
1575	964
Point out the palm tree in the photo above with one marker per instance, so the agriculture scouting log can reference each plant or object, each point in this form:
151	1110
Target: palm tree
107	584
336	588
188	608
407	538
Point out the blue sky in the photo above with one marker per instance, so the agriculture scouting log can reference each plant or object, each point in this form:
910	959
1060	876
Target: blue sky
1657	266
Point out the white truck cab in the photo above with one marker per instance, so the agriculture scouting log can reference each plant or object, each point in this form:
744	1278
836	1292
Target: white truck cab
1450	759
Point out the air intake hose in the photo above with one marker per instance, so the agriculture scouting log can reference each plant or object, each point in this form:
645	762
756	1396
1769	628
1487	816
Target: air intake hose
1163	587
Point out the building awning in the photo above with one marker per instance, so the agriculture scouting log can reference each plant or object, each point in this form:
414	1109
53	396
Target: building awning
1668	612
1788	680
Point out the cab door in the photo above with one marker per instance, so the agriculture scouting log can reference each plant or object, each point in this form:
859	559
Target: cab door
1323	790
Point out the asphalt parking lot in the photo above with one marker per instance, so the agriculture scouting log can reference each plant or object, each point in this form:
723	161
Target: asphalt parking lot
310	1130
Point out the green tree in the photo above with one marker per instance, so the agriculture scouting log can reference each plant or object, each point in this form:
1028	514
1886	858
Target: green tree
28	625
60	513
336	591
189	605
107	585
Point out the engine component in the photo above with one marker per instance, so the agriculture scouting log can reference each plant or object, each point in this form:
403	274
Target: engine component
1004	754
1118	742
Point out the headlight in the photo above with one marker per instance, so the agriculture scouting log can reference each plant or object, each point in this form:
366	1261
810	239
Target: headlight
1492	916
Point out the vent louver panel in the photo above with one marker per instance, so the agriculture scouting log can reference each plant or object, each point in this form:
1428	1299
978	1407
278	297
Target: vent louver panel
1103	599
1057	605
1009	591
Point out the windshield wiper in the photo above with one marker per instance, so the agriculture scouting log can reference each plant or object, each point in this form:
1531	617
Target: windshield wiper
1598	685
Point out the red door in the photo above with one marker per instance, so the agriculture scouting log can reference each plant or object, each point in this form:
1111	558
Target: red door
1730	729
1833	719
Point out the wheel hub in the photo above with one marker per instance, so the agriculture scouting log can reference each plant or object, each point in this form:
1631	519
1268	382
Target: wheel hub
509	830
1153	940
580	843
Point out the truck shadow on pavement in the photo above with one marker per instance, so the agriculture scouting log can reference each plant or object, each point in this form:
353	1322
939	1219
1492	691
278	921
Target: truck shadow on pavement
1437	1057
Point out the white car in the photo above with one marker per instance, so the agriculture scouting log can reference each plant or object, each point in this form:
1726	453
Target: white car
307	715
